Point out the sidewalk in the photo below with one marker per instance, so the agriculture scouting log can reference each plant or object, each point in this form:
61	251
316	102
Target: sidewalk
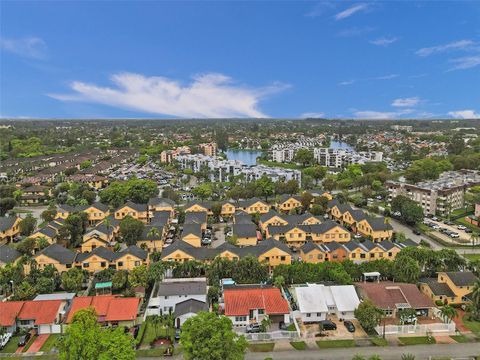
38	343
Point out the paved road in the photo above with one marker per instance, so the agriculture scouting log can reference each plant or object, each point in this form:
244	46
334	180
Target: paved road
421	352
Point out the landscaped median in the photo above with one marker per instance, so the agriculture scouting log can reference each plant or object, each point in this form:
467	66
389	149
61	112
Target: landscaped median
417	340
261	347
298	345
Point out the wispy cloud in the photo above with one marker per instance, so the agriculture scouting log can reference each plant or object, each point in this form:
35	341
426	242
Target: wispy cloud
464	114
346	82
28	47
319	9
465	62
456	45
406	102
208	95
351	10
312	115
380	115
383	41
387	77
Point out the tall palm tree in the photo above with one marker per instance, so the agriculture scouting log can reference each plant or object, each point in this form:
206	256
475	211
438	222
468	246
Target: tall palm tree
474	238
155	320
476	299
153	232
448	312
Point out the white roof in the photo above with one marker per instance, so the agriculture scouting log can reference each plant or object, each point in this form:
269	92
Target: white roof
316	298
55	296
346	298
373	273
310	299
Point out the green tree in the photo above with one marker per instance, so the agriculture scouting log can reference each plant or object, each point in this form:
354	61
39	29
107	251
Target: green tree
291	187
120	279
316	172
304	157
116	345
72	280
406	269
49	214
208	336
448	312
368	315
27	225
279	281
24	291
26	246
76	224
306	199
6	204
203	191
131	230
216	209
266	186
138	276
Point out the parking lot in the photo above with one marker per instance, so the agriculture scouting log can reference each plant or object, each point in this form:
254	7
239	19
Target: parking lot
463	237
310	330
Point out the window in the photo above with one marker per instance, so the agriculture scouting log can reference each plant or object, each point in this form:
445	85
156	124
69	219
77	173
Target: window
261	311
137	263
282	258
86	265
240	318
120	263
309	315
319	314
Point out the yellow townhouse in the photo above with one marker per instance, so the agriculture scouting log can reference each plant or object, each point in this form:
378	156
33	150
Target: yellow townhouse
374	228
137	211
9	228
252	206
55	255
287	203
454	287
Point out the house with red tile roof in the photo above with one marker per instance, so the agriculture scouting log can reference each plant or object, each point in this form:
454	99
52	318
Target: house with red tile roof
247	304
111	310
44	316
392	298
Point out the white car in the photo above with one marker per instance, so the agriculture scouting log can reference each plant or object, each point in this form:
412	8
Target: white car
461	227
454	235
4	339
436	227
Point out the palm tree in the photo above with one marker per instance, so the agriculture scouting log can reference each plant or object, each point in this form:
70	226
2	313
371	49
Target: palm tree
155	321
153	232
266	323
108	225
474	238
476	299
408	357
448	312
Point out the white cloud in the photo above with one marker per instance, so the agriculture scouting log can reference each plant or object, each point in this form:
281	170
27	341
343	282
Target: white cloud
464	114
29	47
406	102
319	9
456	45
387	77
465	62
208	95
350	11
312	115
346	82
379	115
383	41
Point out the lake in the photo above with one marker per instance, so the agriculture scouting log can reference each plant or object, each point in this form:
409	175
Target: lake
248	157
340	145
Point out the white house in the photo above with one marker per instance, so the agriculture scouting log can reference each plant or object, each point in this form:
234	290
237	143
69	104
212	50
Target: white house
168	293
316	301
186	309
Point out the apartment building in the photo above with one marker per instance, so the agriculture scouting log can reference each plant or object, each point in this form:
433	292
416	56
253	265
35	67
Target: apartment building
437	196
209	149
343	157
167	156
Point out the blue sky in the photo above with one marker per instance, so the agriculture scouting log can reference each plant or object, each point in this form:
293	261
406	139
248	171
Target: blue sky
240	59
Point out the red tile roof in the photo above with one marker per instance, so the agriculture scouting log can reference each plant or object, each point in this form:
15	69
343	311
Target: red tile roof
239	301
42	311
9	311
107	307
388	294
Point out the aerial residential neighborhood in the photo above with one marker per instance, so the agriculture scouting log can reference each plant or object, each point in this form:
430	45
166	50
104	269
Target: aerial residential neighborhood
229	180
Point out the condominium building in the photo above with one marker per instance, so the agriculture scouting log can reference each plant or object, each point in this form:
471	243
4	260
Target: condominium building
222	170
343	157
167	156
438	196
209	149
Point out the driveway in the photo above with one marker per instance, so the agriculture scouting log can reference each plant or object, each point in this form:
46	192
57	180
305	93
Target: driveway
38	343
463	239
219	234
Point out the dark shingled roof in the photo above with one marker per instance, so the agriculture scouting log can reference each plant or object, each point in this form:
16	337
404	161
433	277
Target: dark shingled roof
242	219
135	251
309	246
134	206
190	306
6	222
97	205
378	224
59	253
245	230
101	251
462	278
8	254
195	229
164	202
160	218
198	217
184	287
249	202
437	288
47	231
201	253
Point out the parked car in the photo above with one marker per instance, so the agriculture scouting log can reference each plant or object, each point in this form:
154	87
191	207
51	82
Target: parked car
206	241
328	325
177	334
417	232
454	235
253	328
461	227
22	341
4	339
434	218
468	231
349	325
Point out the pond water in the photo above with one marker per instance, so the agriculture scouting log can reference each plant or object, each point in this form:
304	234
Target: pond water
340	145
248	157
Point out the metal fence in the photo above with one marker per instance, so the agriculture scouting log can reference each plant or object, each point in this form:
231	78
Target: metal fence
433	329
274	335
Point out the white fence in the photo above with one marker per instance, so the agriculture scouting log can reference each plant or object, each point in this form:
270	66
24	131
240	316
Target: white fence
435	328
274	335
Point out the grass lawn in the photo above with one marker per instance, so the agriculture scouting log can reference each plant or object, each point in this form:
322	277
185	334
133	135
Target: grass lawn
473	326
35	357
298	345
261	347
12	346
50	343
291	327
460	338
278	164
379	341
326	344
416	340
471	257
149	334
156	352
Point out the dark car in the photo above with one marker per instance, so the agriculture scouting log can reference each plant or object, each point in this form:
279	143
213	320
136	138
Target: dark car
349	325
177	334
253	328
328	325
468	231
22	341
417	232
